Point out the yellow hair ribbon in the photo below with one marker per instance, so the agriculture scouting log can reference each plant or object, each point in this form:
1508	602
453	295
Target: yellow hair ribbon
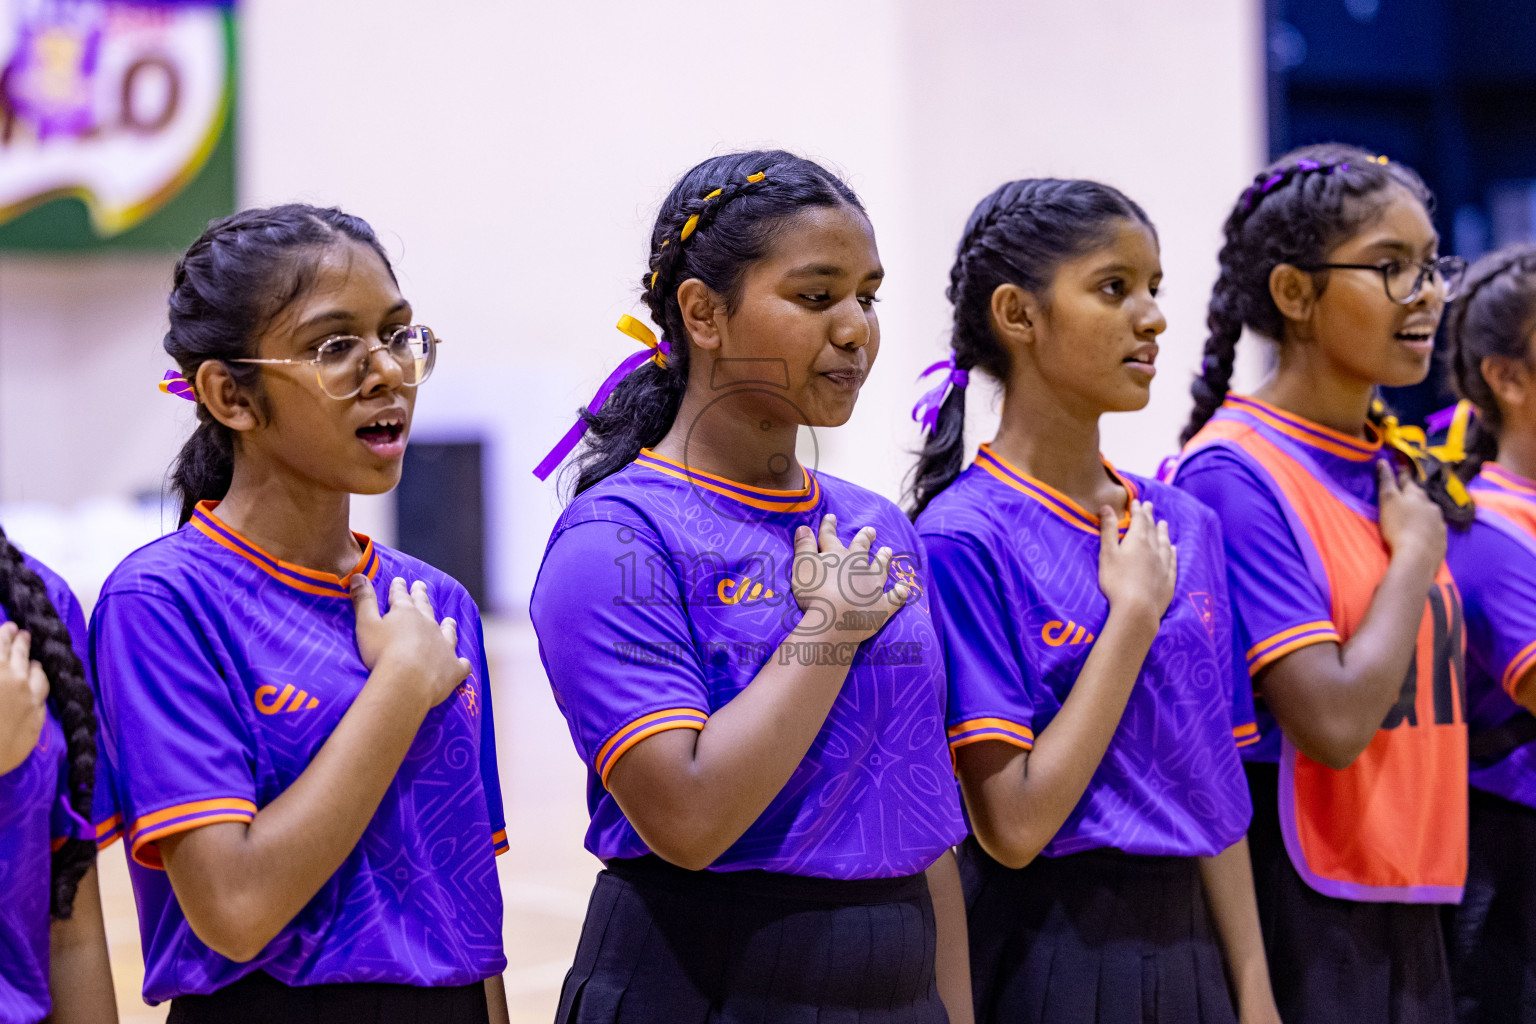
645	336
1455	447
693	222
755	178
1409	441
1380	159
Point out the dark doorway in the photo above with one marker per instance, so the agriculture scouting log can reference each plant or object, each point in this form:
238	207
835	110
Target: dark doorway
440	510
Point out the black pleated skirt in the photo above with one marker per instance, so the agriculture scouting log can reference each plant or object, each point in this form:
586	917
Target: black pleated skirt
258	998
1491	936
1335	961
1100	937
669	946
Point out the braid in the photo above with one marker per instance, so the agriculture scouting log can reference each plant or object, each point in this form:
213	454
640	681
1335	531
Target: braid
1019	235
715	222
25	599
1292	212
1492	317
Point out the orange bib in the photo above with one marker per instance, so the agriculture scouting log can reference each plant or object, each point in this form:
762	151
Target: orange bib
1392	827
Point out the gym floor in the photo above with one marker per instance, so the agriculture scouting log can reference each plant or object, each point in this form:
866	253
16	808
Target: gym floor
545	877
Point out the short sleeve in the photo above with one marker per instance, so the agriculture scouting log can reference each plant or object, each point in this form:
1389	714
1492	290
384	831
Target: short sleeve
1278	607
622	662
490	776
989	697
184	752
1496	574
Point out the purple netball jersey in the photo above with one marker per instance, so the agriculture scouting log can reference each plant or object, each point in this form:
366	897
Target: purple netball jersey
664	590
1280	609
1498	583
221	672
1015	567
35	816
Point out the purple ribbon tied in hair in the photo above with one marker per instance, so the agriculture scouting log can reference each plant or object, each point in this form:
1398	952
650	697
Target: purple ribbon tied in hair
1274	181
654	349
926	411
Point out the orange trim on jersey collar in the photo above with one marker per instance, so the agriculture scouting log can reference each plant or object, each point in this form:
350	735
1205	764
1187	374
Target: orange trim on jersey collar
806	497
309	581
1314	435
1058	503
1497	474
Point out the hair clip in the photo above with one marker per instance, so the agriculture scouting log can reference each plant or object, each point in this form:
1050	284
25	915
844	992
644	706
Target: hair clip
178	386
657	352
926	411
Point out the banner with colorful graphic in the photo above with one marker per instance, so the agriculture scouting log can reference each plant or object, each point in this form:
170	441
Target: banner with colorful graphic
116	122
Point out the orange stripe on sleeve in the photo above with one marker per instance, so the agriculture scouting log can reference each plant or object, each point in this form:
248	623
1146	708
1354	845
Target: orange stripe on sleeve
975	730
1519	665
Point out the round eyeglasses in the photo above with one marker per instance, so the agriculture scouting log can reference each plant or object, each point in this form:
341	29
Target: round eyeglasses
342	363
1404	279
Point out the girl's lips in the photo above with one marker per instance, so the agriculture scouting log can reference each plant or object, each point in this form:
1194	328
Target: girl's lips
848	380
386	441
1146	369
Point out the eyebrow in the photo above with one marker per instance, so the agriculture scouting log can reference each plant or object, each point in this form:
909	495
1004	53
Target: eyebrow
342	316
1398	245
832	270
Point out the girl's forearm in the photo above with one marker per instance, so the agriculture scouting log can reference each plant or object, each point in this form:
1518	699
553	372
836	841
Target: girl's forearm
952	962
1228	881
79	973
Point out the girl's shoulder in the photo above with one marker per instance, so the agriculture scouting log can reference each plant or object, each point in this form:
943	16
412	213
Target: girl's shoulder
969	507
165	567
1172	503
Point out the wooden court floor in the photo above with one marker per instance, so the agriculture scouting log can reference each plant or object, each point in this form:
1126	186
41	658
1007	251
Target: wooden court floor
545	877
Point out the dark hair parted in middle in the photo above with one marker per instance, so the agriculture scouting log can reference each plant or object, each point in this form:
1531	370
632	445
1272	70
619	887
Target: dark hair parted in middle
228	287
1495	316
1020	234
739	200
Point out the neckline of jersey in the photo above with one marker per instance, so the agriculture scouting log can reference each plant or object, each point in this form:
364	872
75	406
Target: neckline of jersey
1057	503
309	581
762	498
1505	480
1313	435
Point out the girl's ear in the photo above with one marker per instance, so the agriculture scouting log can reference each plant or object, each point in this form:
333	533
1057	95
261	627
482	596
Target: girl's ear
1015	315
1293	291
1508	379
703	312
224	399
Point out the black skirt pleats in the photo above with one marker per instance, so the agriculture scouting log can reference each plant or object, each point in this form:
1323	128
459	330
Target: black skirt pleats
670	946
1491	936
1101	937
1335	961
258	998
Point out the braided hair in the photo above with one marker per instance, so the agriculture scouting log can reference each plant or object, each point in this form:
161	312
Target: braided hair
718	219
24	596
228	287
1493	316
1020	234
1296	210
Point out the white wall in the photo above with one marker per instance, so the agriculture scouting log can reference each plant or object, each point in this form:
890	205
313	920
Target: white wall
512	156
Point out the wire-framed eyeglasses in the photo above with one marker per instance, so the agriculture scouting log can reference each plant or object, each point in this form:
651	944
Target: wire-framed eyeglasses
341	363
1404	279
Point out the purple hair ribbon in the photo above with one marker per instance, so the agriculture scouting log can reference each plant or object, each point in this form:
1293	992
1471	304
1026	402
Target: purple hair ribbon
926	411
657	350
177	385
1438	421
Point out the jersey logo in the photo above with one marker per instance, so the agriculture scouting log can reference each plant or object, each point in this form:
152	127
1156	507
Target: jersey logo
1057	633
903	571
731	591
270	702
1206	609
469	697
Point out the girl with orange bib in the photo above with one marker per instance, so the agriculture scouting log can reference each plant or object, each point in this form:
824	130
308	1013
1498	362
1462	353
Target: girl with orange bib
1351	622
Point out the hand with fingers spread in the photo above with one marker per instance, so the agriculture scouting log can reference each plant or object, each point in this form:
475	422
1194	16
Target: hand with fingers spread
1409	520
23	697
842	589
1137	571
408	639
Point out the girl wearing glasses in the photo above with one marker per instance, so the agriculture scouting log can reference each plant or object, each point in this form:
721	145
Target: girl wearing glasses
761	713
1492	937
296	720
1349	616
